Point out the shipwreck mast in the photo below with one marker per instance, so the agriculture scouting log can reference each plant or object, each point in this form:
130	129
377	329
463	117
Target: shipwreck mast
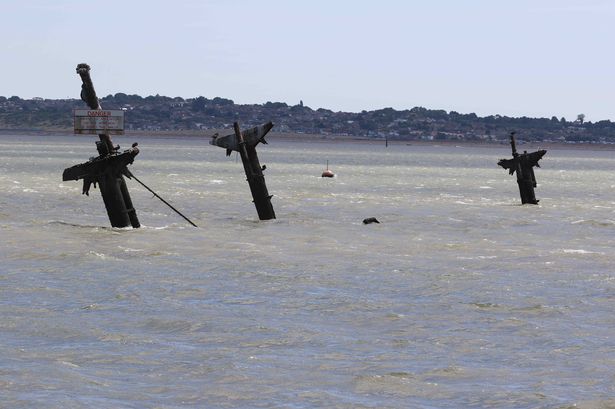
523	164
108	168
245	143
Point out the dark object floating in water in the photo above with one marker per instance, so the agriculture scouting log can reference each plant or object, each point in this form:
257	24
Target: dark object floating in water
370	220
523	164
327	173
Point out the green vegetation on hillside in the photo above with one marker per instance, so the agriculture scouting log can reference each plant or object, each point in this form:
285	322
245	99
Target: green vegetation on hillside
161	113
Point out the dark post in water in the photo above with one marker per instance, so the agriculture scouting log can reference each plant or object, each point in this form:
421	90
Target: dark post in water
245	143
523	164
108	168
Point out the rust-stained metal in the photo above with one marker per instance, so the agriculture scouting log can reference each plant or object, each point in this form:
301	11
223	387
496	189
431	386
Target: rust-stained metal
88	171
251	137
245	143
523	164
88	95
106	170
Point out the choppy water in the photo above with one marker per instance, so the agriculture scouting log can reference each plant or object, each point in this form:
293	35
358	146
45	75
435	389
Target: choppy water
460	298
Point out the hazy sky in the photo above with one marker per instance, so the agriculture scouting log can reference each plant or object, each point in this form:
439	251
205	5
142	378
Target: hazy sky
536	58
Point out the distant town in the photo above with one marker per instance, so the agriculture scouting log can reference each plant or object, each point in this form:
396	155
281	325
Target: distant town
166	114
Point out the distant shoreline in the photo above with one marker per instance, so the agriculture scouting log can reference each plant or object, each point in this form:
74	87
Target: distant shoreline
316	138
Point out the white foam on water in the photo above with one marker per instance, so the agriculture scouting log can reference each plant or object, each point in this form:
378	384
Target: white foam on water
579	251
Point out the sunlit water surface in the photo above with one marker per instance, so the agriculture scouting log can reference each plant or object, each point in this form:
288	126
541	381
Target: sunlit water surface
459	298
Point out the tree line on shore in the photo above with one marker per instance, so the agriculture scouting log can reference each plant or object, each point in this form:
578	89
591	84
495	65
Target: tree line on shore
162	113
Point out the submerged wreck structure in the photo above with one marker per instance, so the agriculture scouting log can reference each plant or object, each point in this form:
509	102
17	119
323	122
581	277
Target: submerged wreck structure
245	143
523	164
108	168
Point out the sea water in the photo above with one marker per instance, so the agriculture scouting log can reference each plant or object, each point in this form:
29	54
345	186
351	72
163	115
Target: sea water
459	298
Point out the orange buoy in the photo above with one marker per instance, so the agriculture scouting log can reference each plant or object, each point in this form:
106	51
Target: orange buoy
327	173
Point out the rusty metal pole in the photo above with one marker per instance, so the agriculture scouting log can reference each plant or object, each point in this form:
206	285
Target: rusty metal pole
88	95
107	169
256	179
523	165
112	194
245	143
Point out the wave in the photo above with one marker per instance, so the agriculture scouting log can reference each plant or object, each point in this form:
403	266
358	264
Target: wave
86	226
595	223
579	251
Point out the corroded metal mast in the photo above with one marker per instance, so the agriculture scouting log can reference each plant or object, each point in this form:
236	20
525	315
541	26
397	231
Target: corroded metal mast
523	164
245	143
108	168
88	95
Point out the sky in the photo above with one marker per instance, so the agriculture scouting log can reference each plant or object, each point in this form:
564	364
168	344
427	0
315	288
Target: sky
535	58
